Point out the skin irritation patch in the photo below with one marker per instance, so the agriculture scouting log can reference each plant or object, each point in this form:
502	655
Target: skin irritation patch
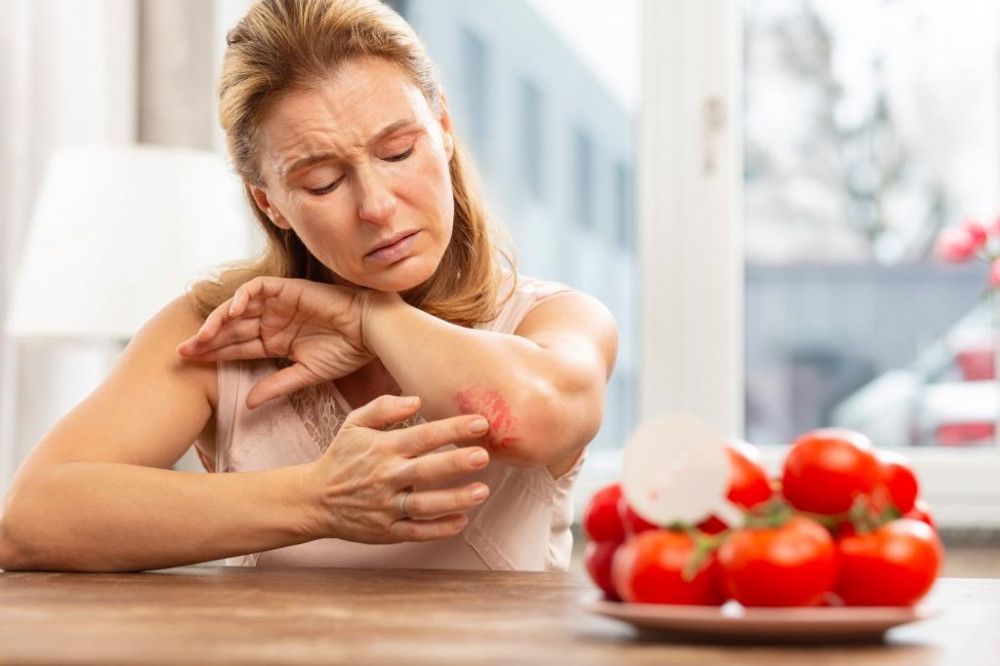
494	408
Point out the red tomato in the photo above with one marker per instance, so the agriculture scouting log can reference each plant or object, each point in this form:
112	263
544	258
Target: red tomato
649	569
600	518
826	469
598	557
631	521
791	565
748	482
894	565
922	512
898	479
712	525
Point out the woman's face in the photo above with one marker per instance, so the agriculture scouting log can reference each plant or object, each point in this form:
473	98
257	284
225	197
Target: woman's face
357	166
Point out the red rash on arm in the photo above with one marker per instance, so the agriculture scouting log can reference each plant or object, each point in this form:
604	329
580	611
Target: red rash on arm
493	407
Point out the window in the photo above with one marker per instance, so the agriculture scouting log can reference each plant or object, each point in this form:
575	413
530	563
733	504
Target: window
532	131
856	155
583	179
624	222
475	92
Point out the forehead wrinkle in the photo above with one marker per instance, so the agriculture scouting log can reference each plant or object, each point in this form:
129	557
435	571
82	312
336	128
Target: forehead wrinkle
324	122
348	152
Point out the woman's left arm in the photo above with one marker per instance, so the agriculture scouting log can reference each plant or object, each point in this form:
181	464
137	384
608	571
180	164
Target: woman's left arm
542	388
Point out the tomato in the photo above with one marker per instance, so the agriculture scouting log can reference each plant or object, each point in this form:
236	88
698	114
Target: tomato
791	565
897	478
826	469
922	512
598	557
748	482
632	522
712	525
600	518
649	569
894	565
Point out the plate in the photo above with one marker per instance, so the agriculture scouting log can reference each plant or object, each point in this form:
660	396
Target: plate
736	623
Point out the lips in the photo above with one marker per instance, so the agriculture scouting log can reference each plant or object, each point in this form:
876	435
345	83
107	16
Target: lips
395	248
391	240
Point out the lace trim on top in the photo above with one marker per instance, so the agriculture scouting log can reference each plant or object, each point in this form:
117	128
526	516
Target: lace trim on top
320	413
317	409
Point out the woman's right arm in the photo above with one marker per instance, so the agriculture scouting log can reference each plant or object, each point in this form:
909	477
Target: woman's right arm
98	494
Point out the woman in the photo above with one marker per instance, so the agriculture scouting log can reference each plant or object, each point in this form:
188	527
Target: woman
382	391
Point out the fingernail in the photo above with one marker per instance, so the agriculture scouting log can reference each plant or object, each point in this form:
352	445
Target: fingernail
411	401
479	458
479	425
480	493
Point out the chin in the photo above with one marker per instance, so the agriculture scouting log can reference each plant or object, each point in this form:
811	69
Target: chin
403	276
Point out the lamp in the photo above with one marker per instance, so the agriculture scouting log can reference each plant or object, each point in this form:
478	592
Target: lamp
119	231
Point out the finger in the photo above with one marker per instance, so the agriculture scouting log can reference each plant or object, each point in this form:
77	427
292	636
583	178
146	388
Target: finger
383	411
435	468
215	320
244	302
425	437
432	503
242	350
239	330
429	530
283	382
260	289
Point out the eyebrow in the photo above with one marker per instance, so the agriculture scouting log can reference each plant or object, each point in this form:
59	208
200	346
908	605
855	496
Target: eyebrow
322	157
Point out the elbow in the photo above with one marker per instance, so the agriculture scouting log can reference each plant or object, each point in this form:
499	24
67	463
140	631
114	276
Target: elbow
10	558
555	424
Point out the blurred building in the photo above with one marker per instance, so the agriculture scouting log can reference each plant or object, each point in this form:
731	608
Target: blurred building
556	156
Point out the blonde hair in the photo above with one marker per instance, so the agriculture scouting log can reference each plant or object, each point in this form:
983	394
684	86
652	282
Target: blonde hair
286	45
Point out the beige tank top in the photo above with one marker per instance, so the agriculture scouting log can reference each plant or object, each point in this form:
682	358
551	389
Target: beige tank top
524	525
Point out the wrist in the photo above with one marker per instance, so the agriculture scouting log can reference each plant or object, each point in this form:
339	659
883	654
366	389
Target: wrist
315	521
375	306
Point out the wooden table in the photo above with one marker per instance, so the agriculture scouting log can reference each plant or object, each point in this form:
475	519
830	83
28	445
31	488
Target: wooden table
213	615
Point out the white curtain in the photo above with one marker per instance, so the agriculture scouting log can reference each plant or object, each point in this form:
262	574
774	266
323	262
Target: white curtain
67	76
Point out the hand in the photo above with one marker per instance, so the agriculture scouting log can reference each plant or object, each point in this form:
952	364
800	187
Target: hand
316	325
358	481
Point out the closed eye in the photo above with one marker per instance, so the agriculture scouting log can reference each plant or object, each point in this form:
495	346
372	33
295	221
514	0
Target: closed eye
332	186
326	190
400	157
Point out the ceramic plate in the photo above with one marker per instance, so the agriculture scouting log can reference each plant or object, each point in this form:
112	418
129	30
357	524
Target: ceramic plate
733	622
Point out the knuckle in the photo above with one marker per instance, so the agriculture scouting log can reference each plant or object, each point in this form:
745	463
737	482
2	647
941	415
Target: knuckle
379	447
381	485
459	501
413	532
413	473
427	438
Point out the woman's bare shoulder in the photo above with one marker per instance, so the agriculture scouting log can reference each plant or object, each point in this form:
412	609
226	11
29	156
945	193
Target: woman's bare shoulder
177	321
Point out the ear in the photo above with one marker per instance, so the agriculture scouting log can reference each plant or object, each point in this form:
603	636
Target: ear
263	202
446	128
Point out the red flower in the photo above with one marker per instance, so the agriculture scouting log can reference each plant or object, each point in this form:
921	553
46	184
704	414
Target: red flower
955	245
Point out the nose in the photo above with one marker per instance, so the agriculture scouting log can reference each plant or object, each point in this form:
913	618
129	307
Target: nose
376	202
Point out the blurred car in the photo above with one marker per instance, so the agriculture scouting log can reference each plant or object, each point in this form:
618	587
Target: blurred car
947	397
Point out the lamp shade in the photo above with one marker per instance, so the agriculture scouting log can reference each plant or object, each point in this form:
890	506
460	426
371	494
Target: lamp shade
118	232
